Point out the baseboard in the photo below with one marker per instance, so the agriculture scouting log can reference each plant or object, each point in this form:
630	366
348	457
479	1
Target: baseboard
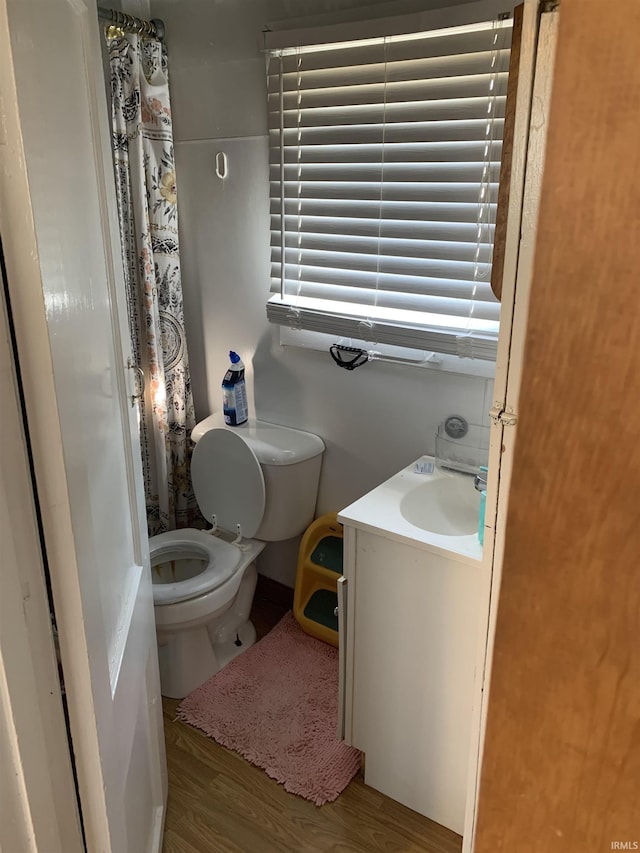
269	590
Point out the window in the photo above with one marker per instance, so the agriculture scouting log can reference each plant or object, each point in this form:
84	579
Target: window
384	159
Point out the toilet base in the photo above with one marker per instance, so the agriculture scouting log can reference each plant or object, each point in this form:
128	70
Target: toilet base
190	656
227	651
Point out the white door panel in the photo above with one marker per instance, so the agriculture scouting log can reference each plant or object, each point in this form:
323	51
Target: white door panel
38	808
68	301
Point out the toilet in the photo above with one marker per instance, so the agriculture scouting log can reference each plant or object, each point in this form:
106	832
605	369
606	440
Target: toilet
255	483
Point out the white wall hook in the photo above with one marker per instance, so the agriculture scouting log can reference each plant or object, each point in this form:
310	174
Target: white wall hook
222	165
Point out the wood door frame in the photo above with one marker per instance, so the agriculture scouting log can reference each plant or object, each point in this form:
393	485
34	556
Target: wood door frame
503	453
526	168
562	756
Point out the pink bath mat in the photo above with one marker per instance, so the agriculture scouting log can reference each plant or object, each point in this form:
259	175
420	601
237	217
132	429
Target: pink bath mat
277	705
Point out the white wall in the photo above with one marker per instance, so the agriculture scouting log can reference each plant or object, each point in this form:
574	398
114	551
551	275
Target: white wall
374	420
139	8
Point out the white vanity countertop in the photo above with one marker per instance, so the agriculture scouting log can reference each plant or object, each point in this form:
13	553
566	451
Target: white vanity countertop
379	512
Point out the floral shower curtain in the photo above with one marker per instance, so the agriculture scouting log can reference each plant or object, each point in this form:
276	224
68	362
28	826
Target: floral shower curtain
146	192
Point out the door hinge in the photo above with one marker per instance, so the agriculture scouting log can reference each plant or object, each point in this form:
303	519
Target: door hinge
499	416
549	5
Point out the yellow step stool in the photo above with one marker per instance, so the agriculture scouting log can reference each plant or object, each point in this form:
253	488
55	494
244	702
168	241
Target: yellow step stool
319	567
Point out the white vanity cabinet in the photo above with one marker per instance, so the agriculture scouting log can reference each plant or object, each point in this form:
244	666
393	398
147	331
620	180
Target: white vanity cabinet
409	619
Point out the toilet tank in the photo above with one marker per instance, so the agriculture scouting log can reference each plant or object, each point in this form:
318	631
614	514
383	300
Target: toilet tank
290	460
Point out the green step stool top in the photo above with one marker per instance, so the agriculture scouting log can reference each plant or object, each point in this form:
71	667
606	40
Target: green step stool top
328	553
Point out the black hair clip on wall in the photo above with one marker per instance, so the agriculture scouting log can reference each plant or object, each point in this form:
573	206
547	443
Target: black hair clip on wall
348	357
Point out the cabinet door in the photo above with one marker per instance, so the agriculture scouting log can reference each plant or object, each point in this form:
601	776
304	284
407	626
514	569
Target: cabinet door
415	619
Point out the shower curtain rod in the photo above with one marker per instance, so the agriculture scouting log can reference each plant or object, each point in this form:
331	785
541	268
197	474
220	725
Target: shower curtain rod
154	28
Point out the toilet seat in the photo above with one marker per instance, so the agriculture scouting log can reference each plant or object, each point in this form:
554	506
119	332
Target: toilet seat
222	558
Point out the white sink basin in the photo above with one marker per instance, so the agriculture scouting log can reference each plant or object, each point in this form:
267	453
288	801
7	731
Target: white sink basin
446	505
437	511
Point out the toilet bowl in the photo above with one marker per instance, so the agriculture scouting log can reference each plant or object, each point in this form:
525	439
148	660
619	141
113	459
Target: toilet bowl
256	483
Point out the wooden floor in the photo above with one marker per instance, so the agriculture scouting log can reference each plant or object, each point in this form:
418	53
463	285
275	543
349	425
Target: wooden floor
219	803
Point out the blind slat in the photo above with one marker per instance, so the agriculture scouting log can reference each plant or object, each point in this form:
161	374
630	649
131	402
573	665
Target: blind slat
417	152
445	297
460	109
385	247
444	232
378	268
431	311
471	130
416	173
449	301
389	210
392	288
475	86
426	68
398	191
451	43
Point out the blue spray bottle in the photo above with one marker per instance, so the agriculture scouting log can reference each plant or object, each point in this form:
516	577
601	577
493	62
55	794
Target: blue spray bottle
234	393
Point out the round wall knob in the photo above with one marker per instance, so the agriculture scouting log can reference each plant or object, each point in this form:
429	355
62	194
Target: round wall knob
456	426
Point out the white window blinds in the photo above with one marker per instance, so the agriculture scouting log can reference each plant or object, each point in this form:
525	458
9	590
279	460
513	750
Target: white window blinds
384	159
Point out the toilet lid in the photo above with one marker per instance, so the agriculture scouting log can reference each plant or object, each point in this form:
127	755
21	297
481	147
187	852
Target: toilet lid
228	481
